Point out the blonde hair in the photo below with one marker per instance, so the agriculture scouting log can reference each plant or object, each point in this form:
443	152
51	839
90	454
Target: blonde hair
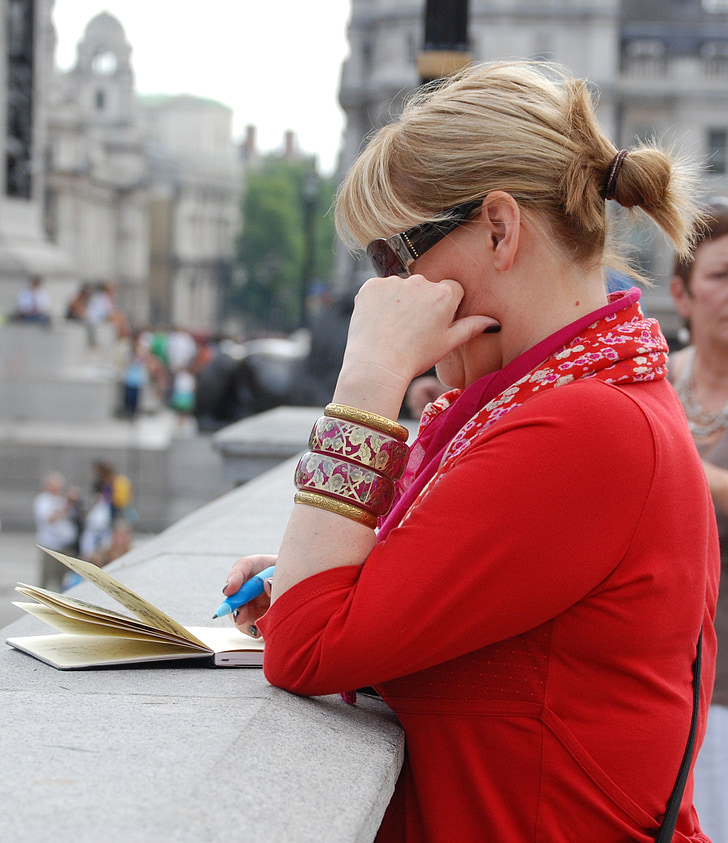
526	128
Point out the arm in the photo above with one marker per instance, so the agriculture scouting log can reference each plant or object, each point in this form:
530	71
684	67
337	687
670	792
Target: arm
718	483
399	328
502	542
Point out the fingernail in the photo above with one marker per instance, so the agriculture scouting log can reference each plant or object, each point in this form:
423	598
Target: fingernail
492	329
235	613
253	631
224	587
270	582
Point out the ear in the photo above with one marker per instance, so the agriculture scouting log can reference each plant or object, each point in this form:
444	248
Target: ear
681	296
502	216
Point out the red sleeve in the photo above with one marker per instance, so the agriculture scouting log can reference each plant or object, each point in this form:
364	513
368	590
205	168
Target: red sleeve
525	524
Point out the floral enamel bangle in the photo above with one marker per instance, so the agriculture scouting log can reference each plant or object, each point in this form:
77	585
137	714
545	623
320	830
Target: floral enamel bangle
345	481
360	444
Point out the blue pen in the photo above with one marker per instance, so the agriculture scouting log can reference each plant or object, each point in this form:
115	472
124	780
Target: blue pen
247	592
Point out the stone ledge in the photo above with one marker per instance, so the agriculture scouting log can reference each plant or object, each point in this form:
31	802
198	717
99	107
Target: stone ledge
189	753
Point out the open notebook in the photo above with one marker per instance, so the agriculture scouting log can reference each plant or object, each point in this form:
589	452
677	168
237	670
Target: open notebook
91	636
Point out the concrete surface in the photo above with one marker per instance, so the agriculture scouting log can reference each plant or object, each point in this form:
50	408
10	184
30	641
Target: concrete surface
186	753
173	469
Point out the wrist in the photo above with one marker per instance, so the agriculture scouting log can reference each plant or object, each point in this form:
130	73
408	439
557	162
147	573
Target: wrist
368	387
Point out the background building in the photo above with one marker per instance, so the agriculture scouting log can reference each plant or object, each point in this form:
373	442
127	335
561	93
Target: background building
195	186
660	67
142	192
96	189
27	42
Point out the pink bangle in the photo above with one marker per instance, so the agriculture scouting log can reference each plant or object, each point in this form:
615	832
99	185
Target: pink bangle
345	481
362	445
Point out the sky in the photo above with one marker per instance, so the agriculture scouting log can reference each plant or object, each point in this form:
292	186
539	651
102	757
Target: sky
276	63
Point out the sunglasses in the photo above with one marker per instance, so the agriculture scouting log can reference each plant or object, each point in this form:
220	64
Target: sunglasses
394	255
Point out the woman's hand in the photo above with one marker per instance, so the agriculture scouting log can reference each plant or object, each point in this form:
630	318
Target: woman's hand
401	327
246	616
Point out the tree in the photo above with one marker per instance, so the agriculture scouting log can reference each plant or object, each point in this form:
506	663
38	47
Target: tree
271	249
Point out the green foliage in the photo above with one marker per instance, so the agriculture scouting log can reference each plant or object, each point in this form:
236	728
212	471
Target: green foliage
275	250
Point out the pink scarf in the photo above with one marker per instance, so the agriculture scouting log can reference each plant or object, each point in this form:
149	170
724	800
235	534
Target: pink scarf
616	344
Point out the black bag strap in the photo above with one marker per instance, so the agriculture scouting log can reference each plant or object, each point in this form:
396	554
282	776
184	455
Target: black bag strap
673	805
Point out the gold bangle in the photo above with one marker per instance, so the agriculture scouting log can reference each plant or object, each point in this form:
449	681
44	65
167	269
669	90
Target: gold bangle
380	423
338	507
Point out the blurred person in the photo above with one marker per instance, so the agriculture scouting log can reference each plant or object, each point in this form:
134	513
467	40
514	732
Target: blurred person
421	392
700	374
531	595
120	543
33	303
182	401
118	317
181	349
55	517
135	377
96	534
99	308
76	309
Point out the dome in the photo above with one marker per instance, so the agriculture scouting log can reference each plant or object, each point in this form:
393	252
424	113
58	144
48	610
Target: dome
104	37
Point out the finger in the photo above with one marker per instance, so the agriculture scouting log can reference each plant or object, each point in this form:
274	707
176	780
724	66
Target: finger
245	568
246	617
468	327
244	622
449	286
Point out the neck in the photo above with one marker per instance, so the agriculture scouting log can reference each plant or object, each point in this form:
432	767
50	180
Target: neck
555	302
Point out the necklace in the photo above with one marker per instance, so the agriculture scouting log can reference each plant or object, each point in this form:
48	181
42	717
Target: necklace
702	424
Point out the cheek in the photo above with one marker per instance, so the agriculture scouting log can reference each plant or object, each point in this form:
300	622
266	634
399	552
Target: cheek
707	296
451	371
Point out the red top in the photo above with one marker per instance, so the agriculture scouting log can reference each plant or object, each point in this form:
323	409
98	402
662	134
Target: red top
532	624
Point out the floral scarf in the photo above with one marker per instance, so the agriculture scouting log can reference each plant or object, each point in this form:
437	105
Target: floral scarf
615	344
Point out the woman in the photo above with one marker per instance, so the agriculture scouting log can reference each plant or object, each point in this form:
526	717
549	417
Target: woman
530	606
700	374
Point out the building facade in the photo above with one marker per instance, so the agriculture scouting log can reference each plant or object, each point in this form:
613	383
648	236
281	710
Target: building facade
195	187
660	68
27	43
96	174
141	192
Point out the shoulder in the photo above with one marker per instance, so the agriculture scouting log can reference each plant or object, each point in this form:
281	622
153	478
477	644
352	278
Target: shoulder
580	431
587	408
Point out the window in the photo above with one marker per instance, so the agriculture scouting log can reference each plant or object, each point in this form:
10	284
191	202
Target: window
645	57
715	55
718	151
104	63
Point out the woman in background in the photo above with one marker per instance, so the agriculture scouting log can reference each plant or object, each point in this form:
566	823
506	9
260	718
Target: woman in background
700	375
